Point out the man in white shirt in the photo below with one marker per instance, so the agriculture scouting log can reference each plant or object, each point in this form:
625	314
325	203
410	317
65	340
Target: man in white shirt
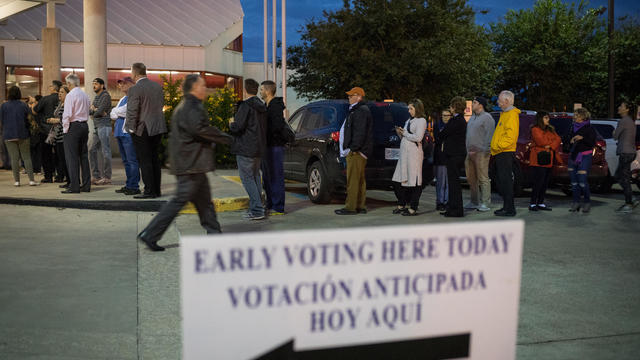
125	143
76	134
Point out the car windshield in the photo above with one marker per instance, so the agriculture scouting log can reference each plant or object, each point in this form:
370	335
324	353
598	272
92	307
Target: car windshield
605	130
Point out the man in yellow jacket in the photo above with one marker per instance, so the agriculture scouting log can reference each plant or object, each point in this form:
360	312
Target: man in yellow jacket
503	148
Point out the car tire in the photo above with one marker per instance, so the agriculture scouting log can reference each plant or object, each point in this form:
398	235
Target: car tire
318	187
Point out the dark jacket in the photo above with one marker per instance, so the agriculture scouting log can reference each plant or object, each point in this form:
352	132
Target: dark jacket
275	122
144	108
249	128
438	156
14	117
454	137
358	130
588	141
44	110
191	136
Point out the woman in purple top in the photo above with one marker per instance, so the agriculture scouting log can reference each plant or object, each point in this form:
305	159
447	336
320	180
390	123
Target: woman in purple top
581	141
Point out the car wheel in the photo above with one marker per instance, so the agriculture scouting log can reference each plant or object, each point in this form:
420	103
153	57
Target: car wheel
318	184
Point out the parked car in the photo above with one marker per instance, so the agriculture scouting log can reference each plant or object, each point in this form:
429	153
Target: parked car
598	177
314	156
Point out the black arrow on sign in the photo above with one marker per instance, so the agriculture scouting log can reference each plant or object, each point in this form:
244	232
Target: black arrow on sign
432	348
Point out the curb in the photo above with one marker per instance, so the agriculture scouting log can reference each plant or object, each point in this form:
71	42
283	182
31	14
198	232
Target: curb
221	205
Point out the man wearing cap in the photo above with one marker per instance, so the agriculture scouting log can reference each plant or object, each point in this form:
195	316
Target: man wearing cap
99	111
358	138
125	143
479	132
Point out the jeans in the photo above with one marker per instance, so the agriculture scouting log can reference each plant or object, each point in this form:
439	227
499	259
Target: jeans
20	150
442	185
273	177
249	171
100	141
476	167
504	179
130	161
540	182
194	188
623	175
579	173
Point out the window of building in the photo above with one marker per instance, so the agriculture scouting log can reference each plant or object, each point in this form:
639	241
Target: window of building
236	44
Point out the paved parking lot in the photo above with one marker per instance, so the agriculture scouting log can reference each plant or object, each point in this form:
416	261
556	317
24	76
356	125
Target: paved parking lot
74	284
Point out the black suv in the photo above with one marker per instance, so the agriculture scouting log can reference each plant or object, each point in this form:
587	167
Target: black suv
314	157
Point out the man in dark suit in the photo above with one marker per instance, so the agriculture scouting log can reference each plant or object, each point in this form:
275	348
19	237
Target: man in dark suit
145	122
453	138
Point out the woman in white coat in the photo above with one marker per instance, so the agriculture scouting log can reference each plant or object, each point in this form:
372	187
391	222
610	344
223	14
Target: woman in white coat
408	174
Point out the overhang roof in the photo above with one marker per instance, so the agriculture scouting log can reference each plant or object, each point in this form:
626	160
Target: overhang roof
147	22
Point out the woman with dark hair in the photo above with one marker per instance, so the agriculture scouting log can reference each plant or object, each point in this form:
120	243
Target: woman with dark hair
407	177
15	124
454	148
544	144
581	141
58	141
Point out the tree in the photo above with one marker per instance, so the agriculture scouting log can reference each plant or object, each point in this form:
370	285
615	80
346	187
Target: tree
553	55
627	60
398	50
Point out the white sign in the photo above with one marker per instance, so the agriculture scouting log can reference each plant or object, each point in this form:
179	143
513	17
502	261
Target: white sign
446	291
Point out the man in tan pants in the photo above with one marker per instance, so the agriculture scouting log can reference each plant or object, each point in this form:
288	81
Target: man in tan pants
358	139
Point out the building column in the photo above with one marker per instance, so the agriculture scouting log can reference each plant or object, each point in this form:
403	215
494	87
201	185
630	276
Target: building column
50	50
95	42
3	77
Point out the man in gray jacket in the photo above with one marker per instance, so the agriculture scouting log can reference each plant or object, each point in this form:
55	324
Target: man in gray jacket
625	134
145	122
479	132
100	137
192	157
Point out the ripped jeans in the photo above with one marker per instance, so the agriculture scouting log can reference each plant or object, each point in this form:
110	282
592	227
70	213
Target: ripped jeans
579	173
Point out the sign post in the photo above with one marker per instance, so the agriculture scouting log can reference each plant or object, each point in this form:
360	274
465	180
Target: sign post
428	291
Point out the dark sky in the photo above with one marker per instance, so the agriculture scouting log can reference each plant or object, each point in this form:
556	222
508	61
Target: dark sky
300	11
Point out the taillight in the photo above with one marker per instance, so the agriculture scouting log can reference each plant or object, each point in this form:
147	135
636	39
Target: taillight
335	136
602	144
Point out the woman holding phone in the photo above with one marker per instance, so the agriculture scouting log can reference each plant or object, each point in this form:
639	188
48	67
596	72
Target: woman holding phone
407	177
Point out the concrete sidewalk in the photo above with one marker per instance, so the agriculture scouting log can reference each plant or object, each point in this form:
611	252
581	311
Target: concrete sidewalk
228	194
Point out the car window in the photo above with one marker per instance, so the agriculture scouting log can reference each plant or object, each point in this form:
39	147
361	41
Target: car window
316	118
605	130
294	121
526	122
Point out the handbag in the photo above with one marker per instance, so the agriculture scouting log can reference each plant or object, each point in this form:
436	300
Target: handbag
51	137
544	157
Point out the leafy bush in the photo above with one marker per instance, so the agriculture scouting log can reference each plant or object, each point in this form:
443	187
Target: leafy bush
220	106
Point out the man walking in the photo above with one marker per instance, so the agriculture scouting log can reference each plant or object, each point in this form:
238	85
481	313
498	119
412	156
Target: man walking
249	131
625	134
100	110
272	162
76	134
44	110
358	138
145	122
191	159
125	144
479	132
503	148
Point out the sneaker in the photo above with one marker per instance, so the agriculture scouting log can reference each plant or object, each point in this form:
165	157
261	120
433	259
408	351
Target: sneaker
483	208
129	192
544	207
254	217
586	207
533	207
121	190
95	181
625	209
470	206
575	207
17	183
33	183
273	212
105	181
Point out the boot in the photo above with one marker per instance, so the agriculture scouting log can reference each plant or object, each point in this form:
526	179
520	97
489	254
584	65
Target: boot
575	207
